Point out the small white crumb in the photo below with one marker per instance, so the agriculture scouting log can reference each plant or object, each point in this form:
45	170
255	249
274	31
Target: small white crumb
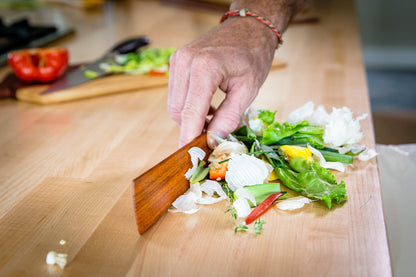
62	242
56	258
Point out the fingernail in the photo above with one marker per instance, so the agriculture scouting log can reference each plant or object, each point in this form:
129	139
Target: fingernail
215	138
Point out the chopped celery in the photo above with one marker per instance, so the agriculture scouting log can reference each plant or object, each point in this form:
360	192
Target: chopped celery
262	191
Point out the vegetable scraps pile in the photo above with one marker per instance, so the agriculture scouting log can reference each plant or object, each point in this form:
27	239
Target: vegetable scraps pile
151	61
249	166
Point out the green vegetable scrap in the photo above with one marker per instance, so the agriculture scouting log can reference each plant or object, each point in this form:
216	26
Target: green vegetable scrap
299	174
200	173
312	179
142	62
301	132
90	74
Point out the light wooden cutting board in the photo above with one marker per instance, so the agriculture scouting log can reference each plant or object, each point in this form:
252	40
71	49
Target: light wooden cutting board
102	86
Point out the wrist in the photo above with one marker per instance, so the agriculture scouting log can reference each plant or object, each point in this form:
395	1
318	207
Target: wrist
279	12
254	33
249	14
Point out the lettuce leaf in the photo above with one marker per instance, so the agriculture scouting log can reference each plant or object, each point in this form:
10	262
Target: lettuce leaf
301	131
312	179
267	116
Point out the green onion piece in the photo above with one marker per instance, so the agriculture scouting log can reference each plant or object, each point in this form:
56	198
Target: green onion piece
336	157
90	74
200	173
223	161
289	141
260	152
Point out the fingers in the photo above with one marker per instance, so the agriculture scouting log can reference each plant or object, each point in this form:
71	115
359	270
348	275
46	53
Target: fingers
228	115
179	67
192	83
204	80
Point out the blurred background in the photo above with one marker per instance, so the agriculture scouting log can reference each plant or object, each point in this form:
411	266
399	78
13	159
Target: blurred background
389	49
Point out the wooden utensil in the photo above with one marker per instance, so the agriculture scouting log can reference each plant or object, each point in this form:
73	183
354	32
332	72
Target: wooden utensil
155	190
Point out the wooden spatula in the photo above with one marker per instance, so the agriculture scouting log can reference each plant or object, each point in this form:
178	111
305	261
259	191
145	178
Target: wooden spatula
155	190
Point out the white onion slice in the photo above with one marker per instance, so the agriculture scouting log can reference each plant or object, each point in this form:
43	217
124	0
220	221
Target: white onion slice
341	128
242	207
367	155
244	170
245	193
355	148
257	125
196	154
250	113
185	204
319	158
293	203
224	150
209	187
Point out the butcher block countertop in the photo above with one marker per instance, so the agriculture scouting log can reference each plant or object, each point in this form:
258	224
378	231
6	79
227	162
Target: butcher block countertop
66	169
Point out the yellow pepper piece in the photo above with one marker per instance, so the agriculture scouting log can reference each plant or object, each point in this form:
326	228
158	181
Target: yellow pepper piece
294	151
273	174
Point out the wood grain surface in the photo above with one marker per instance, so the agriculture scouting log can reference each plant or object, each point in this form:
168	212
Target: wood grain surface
66	170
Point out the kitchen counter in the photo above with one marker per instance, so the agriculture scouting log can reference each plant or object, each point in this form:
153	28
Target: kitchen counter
66	169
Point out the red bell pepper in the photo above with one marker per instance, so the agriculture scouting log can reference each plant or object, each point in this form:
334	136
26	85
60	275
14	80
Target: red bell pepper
39	64
263	207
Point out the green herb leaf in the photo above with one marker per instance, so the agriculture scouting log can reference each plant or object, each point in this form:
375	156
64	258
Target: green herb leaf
240	228
258	226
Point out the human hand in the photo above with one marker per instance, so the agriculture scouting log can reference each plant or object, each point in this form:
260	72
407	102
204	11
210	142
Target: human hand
236	57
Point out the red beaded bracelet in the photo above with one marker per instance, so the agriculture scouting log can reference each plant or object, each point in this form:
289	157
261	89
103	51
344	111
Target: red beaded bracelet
245	12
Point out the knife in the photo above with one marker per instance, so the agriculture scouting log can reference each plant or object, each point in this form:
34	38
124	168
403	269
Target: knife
77	76
155	190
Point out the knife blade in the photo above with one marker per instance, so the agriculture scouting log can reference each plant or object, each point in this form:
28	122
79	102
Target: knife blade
77	76
156	189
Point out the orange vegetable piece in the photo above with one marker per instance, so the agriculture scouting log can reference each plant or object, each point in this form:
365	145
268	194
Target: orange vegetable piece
219	174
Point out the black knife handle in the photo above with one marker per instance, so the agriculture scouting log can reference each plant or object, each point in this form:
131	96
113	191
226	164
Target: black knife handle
130	45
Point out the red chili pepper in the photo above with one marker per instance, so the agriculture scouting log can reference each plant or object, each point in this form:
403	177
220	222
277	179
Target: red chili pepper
262	207
39	64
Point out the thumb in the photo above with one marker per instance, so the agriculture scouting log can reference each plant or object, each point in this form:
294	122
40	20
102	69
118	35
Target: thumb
228	115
